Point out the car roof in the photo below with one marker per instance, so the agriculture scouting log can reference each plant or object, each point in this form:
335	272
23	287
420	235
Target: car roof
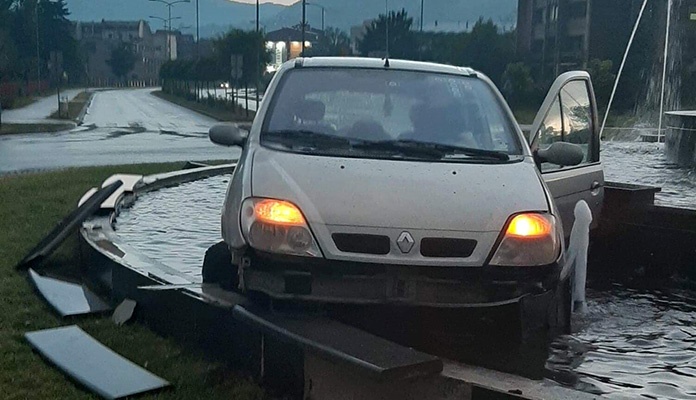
379	63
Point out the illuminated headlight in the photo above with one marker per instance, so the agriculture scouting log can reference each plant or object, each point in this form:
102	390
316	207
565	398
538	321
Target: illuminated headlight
530	239
277	226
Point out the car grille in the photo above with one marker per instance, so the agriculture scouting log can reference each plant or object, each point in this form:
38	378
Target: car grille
361	243
446	247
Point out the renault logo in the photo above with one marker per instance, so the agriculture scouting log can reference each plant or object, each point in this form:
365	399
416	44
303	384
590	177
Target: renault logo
405	242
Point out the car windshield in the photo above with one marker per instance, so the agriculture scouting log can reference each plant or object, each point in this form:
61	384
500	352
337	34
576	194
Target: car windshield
374	113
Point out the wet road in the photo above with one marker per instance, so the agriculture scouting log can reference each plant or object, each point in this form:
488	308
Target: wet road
121	127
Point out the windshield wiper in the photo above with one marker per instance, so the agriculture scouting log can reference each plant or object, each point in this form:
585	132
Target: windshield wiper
294	137
438	150
399	147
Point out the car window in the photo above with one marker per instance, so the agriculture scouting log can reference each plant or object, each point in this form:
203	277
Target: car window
569	119
577	115
389	105
551	131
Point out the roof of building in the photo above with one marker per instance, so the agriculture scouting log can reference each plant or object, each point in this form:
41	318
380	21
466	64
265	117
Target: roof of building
292	35
114	24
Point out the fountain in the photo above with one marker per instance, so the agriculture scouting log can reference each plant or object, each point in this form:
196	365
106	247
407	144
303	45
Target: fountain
660	118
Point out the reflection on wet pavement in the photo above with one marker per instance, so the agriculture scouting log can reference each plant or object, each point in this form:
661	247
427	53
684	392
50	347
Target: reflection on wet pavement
632	343
121	127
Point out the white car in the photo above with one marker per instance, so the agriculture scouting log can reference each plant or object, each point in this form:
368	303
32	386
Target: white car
368	181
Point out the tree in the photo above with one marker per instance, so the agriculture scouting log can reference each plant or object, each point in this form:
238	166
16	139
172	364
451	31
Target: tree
402	41
602	80
334	42
517	83
487	50
249	44
122	60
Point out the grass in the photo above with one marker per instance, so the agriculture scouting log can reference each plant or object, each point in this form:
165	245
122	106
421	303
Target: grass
12	129
75	107
31	205
217	112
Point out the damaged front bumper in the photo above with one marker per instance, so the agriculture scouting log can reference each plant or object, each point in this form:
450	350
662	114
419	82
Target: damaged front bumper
338	282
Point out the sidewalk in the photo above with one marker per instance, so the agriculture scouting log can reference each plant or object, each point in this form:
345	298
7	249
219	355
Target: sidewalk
38	111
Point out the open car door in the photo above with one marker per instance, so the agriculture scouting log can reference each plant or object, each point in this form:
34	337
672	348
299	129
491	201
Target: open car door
569	114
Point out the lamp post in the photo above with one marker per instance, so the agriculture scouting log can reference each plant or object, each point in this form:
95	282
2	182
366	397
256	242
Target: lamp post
304	24
421	16
164	21
38	49
169	5
323	12
258	55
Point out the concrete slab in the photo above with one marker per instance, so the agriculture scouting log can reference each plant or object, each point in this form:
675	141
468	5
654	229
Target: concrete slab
48	244
327	338
92	364
68	298
129	183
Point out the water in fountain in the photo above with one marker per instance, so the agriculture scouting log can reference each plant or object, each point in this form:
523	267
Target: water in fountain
663	92
647	61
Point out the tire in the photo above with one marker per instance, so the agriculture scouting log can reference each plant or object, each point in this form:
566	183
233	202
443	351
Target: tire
218	268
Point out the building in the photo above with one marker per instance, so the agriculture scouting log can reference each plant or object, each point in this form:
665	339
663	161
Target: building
286	44
357	33
98	39
554	36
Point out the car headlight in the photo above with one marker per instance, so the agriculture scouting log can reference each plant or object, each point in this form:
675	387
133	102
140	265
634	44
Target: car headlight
530	239
277	226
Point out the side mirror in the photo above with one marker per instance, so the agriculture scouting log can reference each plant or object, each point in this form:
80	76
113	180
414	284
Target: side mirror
560	153
228	135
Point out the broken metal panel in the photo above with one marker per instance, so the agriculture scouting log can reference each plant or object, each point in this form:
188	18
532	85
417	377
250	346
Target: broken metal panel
68	298
51	242
124	312
92	364
86	196
343	343
129	183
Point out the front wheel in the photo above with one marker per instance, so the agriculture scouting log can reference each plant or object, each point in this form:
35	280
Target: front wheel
218	268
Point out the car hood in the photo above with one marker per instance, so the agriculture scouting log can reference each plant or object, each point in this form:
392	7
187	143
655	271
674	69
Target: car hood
439	196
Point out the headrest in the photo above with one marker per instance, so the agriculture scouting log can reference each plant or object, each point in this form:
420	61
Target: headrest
437	115
310	110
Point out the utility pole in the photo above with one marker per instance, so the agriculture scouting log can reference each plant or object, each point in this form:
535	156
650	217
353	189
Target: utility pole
386	25
421	17
169	5
304	24
258	56
38	49
323	13
198	51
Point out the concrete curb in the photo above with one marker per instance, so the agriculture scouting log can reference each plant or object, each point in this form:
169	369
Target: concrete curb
85	107
202	112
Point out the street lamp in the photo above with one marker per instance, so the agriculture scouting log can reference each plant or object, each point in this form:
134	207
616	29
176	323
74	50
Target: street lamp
258	55
164	20
304	24
421	19
323	12
169	5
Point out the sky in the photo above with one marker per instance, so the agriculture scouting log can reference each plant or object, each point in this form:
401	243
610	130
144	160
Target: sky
284	2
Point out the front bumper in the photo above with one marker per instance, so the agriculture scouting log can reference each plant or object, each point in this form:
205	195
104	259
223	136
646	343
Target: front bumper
337	282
